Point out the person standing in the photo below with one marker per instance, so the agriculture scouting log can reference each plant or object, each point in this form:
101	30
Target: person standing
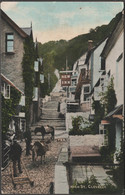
59	106
27	136
15	156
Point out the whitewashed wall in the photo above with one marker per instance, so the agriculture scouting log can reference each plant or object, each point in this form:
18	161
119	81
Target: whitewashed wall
117	69
97	62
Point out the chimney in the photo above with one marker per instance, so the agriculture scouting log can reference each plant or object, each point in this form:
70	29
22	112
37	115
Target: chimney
90	44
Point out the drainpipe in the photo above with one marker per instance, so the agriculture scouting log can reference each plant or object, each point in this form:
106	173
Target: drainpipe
0	85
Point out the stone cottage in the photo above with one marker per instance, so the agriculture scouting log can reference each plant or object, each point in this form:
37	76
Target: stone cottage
12	52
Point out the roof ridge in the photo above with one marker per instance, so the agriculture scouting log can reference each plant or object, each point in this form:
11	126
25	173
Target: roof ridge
11	83
13	24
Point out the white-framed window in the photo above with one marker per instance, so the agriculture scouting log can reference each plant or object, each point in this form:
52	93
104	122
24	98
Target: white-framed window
22	100
86	91
41	78
35	94
5	89
36	66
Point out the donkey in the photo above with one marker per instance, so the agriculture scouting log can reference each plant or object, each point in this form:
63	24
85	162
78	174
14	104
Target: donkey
39	149
45	130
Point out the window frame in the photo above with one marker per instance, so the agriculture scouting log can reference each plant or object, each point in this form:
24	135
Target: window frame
103	64
5	89
9	40
86	93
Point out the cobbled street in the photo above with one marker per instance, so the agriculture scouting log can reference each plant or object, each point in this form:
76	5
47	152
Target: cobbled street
41	174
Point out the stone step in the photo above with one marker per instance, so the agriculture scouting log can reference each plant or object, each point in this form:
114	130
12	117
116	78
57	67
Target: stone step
56	119
57	123
60	128
50	115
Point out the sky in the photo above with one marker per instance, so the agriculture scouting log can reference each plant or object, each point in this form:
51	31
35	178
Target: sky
52	21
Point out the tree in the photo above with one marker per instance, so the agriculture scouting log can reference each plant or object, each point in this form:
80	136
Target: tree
28	74
109	99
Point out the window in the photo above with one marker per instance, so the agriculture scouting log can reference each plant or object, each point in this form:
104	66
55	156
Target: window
86	91
35	94
36	66
9	42
5	89
41	78
23	124
74	82
102	64
86	98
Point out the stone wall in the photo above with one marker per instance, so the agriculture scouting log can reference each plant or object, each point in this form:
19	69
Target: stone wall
11	63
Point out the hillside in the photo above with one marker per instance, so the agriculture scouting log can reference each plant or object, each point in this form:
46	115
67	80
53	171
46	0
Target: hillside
54	53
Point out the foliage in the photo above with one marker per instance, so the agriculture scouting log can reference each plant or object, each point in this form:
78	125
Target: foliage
54	53
9	108
109	101
49	76
109	97
118	173
99	114
109	186
76	123
28	74
91	185
77	126
92	128
106	155
74	48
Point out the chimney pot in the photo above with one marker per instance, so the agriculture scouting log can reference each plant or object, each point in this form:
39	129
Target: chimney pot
90	44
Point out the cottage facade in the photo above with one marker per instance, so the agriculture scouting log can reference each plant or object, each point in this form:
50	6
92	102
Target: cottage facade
12	49
113	54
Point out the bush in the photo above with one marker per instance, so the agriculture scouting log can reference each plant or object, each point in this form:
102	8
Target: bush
92	186
107	157
77	127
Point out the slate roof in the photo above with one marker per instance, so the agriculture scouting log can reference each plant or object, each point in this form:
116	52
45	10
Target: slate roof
113	37
115	111
27	30
93	49
13	24
10	83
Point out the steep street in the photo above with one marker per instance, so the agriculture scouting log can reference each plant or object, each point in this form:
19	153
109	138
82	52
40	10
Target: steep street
44	173
62	97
